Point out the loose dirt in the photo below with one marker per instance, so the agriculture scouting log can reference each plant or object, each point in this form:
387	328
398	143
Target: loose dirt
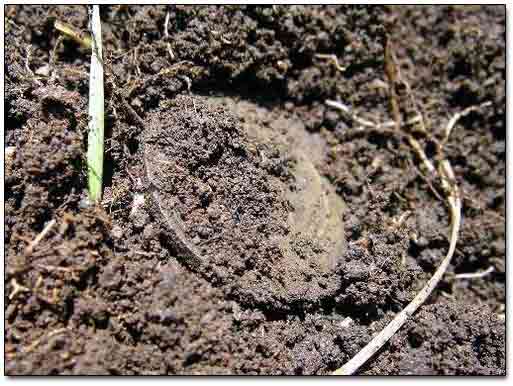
246	227
243	202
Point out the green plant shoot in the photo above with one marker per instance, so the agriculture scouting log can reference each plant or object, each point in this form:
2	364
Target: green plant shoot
96	111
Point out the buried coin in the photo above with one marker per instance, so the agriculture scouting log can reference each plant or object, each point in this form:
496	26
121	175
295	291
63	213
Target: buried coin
242	201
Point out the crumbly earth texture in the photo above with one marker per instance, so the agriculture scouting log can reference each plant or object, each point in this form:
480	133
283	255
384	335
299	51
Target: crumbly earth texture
242	201
107	291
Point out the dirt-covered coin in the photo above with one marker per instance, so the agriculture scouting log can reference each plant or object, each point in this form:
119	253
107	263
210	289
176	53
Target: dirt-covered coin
242	200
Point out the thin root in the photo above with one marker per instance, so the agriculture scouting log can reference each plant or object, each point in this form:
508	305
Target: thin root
36	343
333	59
39	237
427	181
458	116
170	51
17	288
384	127
166	24
475	275
166	36
27	61
379	340
421	154
449	185
345	109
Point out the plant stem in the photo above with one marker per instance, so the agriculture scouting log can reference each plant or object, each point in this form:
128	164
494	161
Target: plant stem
96	110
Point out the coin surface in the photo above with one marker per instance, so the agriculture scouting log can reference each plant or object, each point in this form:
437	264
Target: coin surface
244	205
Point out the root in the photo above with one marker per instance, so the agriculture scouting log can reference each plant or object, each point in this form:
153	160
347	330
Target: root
333	59
37	342
17	288
39	237
166	25
166	36
460	115
384	336
135	63
346	110
27	61
475	275
427	181
445	175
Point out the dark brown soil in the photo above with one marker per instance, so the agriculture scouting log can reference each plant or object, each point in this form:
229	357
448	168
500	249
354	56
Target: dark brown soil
199	259
243	206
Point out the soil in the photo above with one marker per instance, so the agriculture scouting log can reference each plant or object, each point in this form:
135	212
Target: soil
244	201
246	227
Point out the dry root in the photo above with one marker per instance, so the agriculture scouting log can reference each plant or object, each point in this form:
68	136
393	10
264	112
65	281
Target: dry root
39	237
74	34
37	342
475	275
445	175
333	59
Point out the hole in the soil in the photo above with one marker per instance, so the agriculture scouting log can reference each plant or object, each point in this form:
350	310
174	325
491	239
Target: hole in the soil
101	323
108	170
69	307
430	149
415	249
360	67
88	278
58	110
380	140
164	238
71	52
191	358
445	286
55	109
496	202
245	86
466	95
134	333
498	125
475	178
44	39
461	67
415	340
133	145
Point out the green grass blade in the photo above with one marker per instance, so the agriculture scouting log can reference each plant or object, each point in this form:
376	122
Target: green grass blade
96	111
